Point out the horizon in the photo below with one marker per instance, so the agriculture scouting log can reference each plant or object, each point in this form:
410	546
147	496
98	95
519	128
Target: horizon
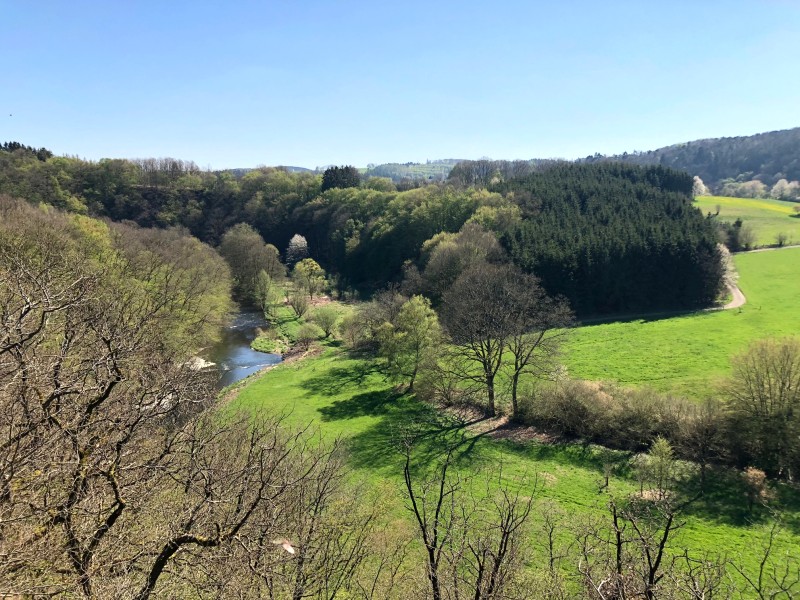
355	83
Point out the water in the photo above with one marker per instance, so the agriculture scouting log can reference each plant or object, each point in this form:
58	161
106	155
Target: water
233	355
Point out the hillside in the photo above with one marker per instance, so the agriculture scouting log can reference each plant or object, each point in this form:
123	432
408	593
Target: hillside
767	157
431	170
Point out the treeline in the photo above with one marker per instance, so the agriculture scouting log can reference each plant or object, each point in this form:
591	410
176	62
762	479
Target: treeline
608	237
764	157
614	238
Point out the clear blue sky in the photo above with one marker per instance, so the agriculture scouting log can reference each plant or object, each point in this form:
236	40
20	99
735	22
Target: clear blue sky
237	84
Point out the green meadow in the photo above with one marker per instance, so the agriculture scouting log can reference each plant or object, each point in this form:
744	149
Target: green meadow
768	218
348	398
689	354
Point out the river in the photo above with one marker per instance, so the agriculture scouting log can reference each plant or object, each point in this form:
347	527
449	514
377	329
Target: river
232	354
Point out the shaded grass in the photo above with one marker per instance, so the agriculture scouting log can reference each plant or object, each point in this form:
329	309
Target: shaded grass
688	354
767	217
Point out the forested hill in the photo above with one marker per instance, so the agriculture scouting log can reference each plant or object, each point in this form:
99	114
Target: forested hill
610	237
614	238
767	157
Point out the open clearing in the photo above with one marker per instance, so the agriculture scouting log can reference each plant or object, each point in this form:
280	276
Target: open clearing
687	354
768	218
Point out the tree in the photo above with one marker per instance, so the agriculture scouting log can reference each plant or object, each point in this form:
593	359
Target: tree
785	190
340	177
493	309
756	488
247	254
308	333
476	316
764	398
448	255
267	294
298	301
297	250
309	276
698	187
326	317
538	326
472	540
406	343
703	436
117	476
629	557
662	466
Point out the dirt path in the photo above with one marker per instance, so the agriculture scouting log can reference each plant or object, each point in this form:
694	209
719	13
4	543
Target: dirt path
738	297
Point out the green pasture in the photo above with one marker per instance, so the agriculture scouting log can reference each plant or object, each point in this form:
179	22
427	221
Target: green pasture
688	354
348	398
768	218
345	397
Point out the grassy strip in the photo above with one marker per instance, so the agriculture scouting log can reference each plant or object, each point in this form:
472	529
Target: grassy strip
688	354
768	218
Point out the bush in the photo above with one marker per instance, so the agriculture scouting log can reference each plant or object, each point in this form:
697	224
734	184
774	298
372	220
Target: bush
326	317
604	414
307	334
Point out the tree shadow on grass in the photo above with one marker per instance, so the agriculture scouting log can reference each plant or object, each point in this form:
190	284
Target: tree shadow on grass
335	380
380	446
376	403
402	419
724	501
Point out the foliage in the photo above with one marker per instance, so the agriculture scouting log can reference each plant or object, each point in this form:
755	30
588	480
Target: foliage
297	250
340	177
764	397
445	256
298	301
248	257
270	342
309	276
308	333
410	339
593	234
326	317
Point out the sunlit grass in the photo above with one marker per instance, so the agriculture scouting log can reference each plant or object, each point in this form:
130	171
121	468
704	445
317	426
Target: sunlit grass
767	218
688	354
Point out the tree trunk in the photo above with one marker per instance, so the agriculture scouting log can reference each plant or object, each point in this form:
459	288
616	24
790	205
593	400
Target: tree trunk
490	389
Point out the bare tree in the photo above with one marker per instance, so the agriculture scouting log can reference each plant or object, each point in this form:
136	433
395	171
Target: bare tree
630	556
475	314
490	310
472	539
116	477
777	575
764	396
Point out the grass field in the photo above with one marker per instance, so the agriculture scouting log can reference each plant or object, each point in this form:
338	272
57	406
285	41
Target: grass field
768	218
347	398
687	354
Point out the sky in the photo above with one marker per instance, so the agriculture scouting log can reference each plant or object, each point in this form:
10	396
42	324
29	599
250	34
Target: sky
313	83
